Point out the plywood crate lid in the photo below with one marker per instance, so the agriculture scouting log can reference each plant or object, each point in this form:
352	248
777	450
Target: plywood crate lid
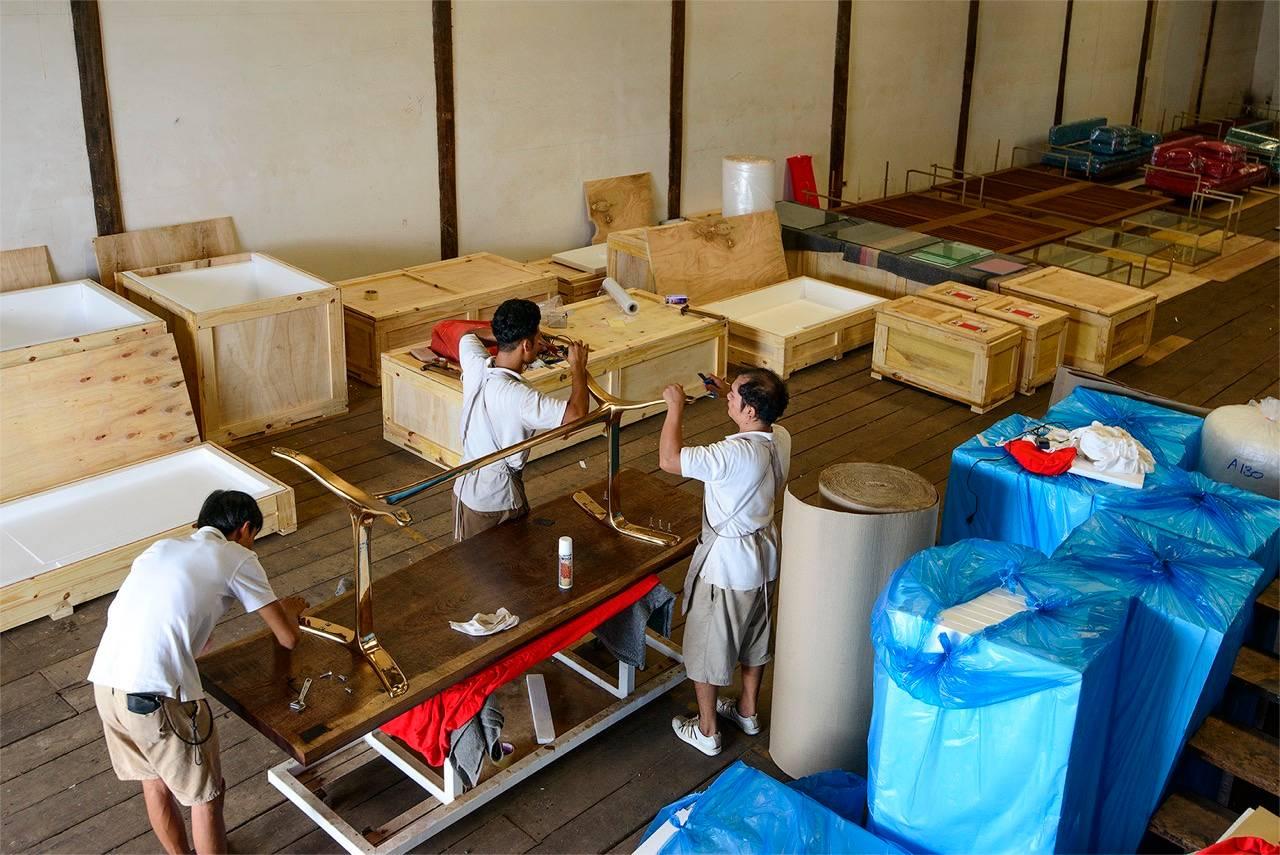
1078	290
630	241
564	273
618	203
591	259
966	325
714	258
1024	313
146	248
412	289
967	297
75	415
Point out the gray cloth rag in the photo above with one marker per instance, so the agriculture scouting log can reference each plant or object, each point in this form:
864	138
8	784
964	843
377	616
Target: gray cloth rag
479	738
623	634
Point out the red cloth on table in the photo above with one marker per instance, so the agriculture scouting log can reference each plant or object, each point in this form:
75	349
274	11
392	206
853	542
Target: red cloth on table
1040	462
445	336
426	727
1240	846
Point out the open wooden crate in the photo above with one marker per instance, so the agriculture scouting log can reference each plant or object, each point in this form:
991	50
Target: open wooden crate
1108	324
398	308
52	320
631	357
573	285
101	458
260	341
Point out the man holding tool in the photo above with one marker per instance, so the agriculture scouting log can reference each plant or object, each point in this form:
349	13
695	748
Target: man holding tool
499	409
726	592
158	727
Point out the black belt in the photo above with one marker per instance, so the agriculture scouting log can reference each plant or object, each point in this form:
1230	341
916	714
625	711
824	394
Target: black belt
143	704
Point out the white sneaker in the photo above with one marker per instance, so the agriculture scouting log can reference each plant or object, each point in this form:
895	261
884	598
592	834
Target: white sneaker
687	729
728	708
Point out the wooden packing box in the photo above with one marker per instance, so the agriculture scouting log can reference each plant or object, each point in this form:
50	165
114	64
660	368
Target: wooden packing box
796	323
574	286
967	297
628	252
1108	324
50	320
393	310
101	458
633	358
260	340
958	355
1044	338
832	267
714	257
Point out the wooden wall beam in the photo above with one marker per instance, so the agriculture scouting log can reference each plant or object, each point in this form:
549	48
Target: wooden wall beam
1208	46
966	90
96	107
839	101
1143	52
1062	66
442	40
675	139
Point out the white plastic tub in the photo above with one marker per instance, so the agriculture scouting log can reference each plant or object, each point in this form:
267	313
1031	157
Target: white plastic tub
36	323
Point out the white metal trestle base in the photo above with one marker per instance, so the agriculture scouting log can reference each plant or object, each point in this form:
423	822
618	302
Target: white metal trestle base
304	786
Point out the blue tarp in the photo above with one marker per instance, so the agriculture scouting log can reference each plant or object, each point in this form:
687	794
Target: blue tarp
990	742
746	811
1173	438
1192	602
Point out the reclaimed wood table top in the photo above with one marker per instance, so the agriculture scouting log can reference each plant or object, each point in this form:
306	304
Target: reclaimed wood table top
513	565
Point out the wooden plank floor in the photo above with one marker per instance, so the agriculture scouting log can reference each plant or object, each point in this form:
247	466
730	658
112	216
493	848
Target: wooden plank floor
57	791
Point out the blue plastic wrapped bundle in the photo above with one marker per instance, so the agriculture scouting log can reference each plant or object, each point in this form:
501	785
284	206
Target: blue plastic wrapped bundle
1173	438
988	734
1194	506
746	811
1192	602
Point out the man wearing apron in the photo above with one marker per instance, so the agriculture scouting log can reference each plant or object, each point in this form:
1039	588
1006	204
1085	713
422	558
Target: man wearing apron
499	409
726	593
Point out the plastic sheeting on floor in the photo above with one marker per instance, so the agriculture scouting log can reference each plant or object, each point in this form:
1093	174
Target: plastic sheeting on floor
1192	603
746	811
1172	437
991	740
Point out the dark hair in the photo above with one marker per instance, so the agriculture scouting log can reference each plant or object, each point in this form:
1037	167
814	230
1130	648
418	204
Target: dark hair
515	321
763	390
227	510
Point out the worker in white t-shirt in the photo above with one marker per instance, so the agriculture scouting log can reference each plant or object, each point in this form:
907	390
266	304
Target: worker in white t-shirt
499	409
159	729
726	592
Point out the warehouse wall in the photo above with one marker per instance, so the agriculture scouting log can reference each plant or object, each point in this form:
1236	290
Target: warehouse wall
1266	64
1229	77
1173	67
1102	59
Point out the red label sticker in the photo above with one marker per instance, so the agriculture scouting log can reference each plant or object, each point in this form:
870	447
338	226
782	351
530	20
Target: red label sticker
962	295
1026	313
966	325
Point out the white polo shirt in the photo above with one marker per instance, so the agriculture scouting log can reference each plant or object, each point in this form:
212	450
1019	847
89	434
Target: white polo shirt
509	411
731	472
163	615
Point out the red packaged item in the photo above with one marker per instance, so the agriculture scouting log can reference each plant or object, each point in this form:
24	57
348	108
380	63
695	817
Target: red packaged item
445	336
1040	462
804	189
1241	846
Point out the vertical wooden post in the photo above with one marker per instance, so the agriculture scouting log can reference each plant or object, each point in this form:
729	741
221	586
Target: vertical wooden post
1062	66
1204	68
839	100
966	90
96	107
675	140
1143	53
442	39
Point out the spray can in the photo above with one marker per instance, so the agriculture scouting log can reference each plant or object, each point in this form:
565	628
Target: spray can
564	577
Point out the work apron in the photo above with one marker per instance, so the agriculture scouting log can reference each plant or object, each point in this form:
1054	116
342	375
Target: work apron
514	477
757	539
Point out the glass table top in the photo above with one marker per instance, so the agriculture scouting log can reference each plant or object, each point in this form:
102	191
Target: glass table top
793	215
1189	237
951	253
1172	221
1083	261
877	236
1104	239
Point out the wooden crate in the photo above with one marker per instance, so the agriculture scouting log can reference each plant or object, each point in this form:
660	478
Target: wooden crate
148	248
632	358
968	298
393	310
101	458
51	320
1044	338
958	355
260	341
574	286
832	267
797	323
1108	324
627	260
714	258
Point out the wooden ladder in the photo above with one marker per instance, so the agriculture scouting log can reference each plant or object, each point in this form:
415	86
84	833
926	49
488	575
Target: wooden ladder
1243	753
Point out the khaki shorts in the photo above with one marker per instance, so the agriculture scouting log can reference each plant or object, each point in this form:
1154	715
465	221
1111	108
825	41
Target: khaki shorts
724	628
144	747
468	523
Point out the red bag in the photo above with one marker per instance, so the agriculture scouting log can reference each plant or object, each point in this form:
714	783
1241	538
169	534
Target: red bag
445	336
1239	845
804	189
1040	462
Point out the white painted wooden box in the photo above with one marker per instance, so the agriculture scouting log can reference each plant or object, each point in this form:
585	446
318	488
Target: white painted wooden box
50	320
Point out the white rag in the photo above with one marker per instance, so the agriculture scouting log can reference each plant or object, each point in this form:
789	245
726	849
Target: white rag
482	624
1112	449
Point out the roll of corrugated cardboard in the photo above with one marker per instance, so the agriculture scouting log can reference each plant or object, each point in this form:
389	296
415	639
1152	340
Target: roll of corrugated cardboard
838	551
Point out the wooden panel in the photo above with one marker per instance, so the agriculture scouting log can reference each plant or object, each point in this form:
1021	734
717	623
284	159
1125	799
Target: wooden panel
29	267
1190	822
712	259
163	245
573	285
512	565
966	297
1247	754
623	202
1044	338
88	412
1079	290
832	267
272	364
